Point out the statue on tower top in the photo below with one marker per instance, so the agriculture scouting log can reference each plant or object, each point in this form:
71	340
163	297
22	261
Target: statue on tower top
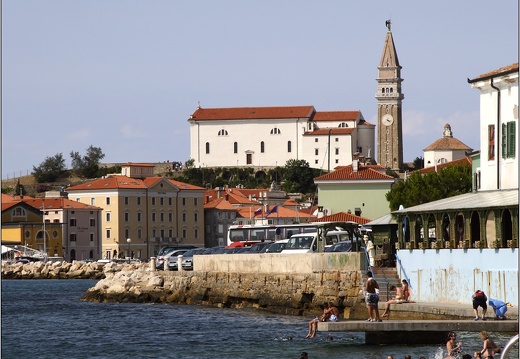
388	24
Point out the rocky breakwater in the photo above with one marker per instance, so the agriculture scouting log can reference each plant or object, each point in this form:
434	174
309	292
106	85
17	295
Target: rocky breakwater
294	294
53	270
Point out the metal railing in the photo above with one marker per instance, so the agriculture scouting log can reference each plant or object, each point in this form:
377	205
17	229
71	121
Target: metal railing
403	271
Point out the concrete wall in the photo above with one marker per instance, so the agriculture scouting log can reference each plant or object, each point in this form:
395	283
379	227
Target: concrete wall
279	263
454	275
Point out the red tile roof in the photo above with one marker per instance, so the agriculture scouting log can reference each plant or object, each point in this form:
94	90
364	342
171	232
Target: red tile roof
448	143
364	172
58	203
131	164
343	217
336	115
124	182
466	161
282	212
498	72
220	204
250	113
7	198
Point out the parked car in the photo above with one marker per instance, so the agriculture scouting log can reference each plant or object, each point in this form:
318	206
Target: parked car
172	258
307	242
345	246
187	258
276	247
257	248
164	253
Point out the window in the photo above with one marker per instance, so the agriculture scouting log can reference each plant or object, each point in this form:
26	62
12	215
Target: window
195	217
508	140
289	146
161	201
196	233
138	216
336	139
162	217
55	234
56	221
72	222
126	201
315	140
235	147
195	201
184	217
127	218
276	131
18	212
337	161
108	233
154	233
262	147
337	151
343	124
222	132
184	233
170	233
169	201
108	216
315	162
316	151
491	142
92	237
92	222
138	201
153	201
207	147
184	201
108	200
127	233
162	233
92	201
170	217
72	237
139	233
153	216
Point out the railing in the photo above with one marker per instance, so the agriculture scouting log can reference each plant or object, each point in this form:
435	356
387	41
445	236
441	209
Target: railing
511	343
368	267
402	269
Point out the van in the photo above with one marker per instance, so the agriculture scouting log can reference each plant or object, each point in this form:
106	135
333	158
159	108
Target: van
307	242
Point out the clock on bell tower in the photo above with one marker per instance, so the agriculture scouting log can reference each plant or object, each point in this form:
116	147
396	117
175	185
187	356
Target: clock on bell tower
389	107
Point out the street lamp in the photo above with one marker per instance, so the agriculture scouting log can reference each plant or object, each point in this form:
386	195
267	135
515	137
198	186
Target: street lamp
128	240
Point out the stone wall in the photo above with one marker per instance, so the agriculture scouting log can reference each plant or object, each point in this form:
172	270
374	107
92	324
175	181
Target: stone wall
53	270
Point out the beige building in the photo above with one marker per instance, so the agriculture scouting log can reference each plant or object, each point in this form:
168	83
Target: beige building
142	213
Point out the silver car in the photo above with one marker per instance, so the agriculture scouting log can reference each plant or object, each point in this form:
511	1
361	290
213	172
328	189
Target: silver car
173	257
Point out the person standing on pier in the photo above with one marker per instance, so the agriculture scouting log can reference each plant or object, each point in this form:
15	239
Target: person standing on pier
372	298
479	300
369	247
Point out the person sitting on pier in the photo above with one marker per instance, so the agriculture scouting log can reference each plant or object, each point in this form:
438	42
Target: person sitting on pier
313	324
333	313
397	299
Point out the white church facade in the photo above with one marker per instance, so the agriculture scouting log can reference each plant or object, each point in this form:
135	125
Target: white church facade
270	136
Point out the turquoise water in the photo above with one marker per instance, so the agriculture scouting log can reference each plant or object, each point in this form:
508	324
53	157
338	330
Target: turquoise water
46	319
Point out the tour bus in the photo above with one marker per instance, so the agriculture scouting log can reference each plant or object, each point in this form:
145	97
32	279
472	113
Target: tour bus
308	242
247	235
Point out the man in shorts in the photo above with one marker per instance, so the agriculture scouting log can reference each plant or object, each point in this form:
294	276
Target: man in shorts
372	298
479	300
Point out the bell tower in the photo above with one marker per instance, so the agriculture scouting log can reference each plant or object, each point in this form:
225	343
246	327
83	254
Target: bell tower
389	107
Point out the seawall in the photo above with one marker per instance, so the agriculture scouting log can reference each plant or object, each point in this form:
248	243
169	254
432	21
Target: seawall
53	270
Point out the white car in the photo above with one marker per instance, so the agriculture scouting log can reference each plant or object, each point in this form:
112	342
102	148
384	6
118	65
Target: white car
307	242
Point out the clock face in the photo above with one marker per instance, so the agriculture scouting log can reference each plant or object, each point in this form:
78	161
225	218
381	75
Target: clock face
387	120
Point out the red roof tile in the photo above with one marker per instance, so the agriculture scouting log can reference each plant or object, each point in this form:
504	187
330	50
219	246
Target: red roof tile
124	182
448	143
220	204
466	161
498	72
333	131
58	203
364	172
250	113
336	115
343	217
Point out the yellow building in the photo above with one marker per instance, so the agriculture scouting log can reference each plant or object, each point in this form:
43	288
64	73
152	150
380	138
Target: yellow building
142	213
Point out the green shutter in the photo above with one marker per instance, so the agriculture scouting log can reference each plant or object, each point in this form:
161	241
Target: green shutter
504	140
511	132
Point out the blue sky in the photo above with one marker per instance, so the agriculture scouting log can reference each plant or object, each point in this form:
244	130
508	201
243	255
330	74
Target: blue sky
125	75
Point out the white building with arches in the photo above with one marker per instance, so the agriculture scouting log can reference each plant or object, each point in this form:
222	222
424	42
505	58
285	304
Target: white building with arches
270	136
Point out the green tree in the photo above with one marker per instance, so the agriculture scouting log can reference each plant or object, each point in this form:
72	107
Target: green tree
88	165
418	189
418	163
50	169
298	176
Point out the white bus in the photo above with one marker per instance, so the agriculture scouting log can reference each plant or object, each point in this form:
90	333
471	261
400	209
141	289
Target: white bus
308	242
247	235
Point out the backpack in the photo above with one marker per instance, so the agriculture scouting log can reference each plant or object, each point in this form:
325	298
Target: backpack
479	295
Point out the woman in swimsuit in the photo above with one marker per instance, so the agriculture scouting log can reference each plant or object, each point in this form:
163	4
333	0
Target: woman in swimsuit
489	347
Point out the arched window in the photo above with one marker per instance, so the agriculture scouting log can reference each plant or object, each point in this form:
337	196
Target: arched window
276	131
289	146
383	90
262	147
207	147
235	147
391	90
222	132
343	124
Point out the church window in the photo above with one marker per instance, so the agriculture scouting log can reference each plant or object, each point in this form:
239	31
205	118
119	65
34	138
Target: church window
316	162
222	132
289	146
316	151
262	147
276	131
337	139
391	90
235	147
383	90
491	142
337	161
343	124
207	147
337	151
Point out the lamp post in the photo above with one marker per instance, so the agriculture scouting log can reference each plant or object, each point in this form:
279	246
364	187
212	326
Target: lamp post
128	240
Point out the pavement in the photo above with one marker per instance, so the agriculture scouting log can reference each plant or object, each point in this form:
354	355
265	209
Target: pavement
437	309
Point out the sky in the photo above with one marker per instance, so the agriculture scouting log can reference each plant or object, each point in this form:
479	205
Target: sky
125	75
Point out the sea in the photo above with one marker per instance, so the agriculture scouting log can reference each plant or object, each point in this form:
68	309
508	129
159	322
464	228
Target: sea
46	319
